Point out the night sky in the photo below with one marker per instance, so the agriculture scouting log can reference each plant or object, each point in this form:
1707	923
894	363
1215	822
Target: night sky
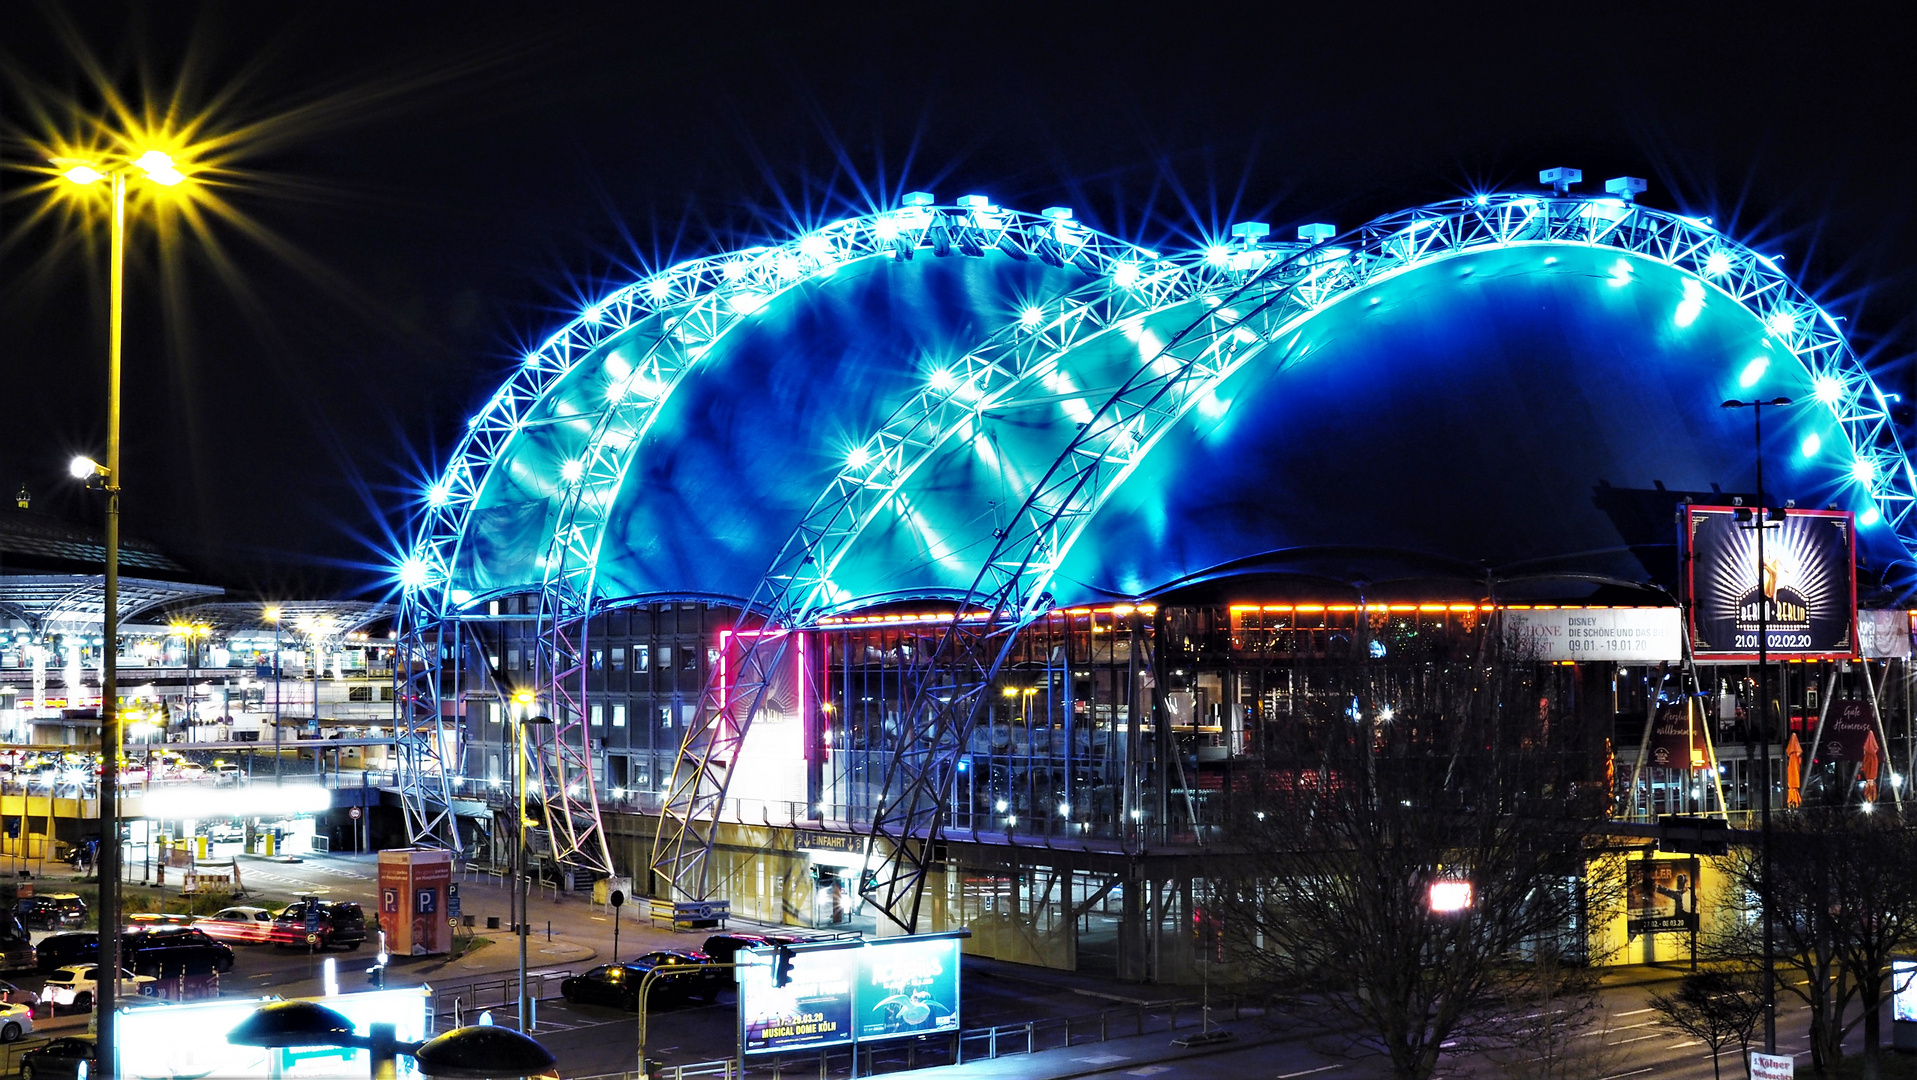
437	187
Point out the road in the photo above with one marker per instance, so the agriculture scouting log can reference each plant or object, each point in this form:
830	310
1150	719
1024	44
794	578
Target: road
591	1039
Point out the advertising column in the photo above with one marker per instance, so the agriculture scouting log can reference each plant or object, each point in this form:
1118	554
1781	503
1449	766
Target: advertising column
412	900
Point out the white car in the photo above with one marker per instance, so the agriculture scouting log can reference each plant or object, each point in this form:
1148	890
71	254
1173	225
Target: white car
247	925
15	1021
74	985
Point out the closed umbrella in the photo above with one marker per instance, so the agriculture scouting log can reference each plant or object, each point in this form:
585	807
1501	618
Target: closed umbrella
1793	772
1870	767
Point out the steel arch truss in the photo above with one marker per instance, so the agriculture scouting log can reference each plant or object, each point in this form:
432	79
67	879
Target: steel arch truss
688	307
1011	584
798	587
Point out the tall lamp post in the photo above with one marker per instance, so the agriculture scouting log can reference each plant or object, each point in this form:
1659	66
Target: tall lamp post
157	168
273	615
1760	520
524	700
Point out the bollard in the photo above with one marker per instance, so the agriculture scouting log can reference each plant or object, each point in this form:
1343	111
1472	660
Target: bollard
1068	1031
991	1043
1174	1016
1104	1025
822	1065
1031	1036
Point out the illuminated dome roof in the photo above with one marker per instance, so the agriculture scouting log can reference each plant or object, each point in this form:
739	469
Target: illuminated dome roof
943	402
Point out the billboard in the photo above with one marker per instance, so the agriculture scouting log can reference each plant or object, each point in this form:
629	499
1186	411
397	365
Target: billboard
1846	728
1662	898
160	1042
1807	592
841	992
1624	635
1676	741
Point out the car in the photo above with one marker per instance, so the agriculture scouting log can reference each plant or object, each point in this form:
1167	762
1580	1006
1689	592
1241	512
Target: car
58	911
63	949
61	1059
75	984
18	954
245	925
15	995
227	775
174	950
723	948
340	924
618	984
15	1021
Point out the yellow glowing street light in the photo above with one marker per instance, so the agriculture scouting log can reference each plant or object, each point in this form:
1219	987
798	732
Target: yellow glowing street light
156	167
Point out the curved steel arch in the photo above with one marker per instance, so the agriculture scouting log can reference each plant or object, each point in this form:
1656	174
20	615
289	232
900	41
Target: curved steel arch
1010	587
798	587
695	304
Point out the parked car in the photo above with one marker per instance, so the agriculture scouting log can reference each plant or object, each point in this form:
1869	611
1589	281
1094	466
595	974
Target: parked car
245	925
60	911
61	1059
341	924
227	775
618	984
723	948
75	984
15	1021
62	949
18	954
174	950
14	995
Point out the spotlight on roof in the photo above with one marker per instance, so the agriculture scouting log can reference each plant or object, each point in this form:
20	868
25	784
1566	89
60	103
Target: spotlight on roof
1317	232
1250	232
1561	179
917	198
1627	188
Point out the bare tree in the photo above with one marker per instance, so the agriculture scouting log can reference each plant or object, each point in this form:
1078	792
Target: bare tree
1716	1007
1418	847
1841	905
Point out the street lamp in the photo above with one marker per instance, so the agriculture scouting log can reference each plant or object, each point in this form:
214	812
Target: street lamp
273	616
524	699
157	168
462	1052
1759	521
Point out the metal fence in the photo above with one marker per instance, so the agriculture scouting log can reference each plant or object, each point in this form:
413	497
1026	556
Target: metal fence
1030	1037
460	1003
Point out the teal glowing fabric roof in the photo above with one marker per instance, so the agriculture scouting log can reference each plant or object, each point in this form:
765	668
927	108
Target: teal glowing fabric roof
938	401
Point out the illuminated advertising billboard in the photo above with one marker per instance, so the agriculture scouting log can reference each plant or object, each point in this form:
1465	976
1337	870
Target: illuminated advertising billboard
1806	597
844	991
162	1042
813	1009
1662	897
907	986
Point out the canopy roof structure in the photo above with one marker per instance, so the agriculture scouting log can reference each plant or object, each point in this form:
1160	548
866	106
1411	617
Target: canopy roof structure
1524	403
1507	396
311	618
52	603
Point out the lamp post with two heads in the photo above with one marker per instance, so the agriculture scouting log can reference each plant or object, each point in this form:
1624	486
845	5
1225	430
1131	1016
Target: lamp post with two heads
157	168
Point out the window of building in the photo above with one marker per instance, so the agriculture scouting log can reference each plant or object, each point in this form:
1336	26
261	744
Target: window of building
665	657
598	716
691	661
642	658
512	659
618	658
386	693
618	716
359	693
712	657
599	660
492	712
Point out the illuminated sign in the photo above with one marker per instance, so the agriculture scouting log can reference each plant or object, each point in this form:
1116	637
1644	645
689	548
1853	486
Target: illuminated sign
1806	598
1903	990
165	1041
1662	897
1626	635
866	991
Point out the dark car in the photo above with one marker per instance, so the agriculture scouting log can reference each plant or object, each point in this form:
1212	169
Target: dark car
174	950
60	950
63	911
724	947
60	1060
339	924
618	984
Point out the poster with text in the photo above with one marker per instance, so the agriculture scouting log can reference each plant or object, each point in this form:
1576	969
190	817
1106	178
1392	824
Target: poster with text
907	986
1804	598
1663	896
813	1009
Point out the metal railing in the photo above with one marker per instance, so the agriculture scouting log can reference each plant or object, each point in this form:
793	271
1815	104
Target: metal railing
461	1002
1030	1037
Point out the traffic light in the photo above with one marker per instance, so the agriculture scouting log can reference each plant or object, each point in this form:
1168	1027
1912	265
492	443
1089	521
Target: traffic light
782	966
